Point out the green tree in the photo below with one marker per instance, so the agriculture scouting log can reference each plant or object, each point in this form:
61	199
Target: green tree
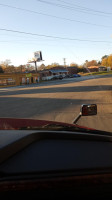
105	56
99	62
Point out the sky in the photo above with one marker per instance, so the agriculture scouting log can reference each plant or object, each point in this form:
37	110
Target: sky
76	30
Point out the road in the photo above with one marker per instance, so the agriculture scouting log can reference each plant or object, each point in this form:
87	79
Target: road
60	101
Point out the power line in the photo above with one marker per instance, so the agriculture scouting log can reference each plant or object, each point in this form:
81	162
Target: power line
75	6
54	37
88	9
53	16
78	9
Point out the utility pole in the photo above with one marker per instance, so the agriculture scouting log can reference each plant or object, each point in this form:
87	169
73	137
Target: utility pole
64	59
36	66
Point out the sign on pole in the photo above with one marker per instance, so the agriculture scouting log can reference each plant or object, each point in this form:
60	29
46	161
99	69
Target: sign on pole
38	55
28	75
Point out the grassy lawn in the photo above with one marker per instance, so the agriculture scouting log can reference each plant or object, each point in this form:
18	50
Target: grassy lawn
98	73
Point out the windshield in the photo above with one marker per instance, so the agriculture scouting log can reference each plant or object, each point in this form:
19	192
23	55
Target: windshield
56	56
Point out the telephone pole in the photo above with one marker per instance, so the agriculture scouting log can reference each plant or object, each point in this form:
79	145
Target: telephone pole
35	66
64	60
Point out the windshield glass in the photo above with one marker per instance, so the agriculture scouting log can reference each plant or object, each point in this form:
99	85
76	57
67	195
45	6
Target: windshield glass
56	56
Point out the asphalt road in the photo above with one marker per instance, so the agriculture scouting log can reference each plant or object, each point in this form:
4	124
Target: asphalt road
61	100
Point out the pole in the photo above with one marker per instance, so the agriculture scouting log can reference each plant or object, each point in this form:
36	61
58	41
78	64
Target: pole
77	118
64	59
36	66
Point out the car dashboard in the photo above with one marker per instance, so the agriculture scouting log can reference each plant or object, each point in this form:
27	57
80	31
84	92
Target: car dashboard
53	164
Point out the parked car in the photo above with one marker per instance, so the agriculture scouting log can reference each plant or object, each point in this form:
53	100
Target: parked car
57	77
67	76
61	77
78	75
75	75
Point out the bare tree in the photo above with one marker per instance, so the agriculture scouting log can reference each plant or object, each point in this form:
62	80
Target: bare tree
6	63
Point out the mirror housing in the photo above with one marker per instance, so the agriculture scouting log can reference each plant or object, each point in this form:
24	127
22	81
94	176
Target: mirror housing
89	109
86	110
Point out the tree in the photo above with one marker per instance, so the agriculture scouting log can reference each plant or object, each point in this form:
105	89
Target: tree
6	63
20	68
104	62
73	64
81	68
52	65
29	68
1	69
41	67
91	63
85	69
10	69
105	56
55	64
109	60
99	62
6	66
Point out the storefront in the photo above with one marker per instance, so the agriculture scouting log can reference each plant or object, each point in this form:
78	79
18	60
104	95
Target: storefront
18	79
7	81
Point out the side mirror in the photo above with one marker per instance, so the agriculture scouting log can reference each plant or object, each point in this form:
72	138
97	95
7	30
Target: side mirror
86	110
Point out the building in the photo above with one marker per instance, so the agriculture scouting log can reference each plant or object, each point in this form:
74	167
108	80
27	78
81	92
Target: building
52	73
97	68
14	79
93	69
72	70
102	68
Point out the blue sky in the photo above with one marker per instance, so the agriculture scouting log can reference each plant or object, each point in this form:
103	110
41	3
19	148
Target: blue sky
83	21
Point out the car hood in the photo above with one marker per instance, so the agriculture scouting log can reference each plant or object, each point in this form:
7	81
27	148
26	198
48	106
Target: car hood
17	124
